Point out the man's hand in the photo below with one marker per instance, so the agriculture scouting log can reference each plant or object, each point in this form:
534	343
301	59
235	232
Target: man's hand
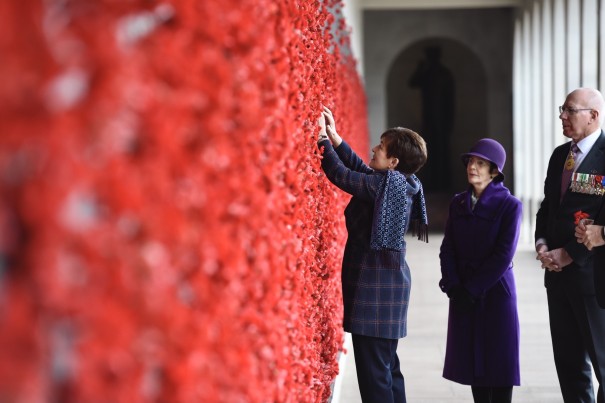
589	235
541	248
555	259
546	262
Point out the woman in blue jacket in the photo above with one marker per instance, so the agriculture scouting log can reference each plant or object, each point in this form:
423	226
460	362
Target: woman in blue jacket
476	255
375	276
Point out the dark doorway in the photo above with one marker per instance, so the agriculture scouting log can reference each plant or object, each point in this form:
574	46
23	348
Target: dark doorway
438	88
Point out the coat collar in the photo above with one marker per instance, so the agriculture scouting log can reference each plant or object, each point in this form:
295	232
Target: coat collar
488	205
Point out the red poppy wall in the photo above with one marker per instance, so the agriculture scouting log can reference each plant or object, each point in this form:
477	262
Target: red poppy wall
166	233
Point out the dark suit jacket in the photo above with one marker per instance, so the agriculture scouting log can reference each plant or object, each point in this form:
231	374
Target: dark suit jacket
556	222
599	263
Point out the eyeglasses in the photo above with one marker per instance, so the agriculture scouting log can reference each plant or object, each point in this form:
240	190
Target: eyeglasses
572	111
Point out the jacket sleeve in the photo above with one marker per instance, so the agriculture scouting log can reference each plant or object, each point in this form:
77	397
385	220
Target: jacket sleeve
501	257
447	256
542	216
577	252
358	184
352	160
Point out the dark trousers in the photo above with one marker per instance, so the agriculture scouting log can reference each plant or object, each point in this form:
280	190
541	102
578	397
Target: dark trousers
492	395
378	374
577	328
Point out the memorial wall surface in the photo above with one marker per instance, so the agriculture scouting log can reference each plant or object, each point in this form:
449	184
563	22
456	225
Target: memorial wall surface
166	233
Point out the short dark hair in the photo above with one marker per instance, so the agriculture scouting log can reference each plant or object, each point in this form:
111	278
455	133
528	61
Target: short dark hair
408	147
493	169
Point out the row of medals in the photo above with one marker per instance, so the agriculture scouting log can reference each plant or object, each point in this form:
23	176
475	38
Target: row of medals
588	184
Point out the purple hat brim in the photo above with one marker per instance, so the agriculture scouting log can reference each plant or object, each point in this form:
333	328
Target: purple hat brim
464	157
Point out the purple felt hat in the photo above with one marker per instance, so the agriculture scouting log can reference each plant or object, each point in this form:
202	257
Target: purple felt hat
490	150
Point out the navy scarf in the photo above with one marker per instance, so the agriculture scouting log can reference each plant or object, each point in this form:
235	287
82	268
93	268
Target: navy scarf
391	212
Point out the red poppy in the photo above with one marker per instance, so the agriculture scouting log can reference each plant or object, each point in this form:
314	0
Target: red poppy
580	215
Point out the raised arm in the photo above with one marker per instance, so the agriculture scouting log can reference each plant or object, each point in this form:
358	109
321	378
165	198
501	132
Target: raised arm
363	185
344	152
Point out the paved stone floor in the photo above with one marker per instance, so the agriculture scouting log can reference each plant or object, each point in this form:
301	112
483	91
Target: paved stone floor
422	352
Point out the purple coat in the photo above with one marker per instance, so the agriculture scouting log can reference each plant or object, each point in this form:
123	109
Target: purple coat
477	253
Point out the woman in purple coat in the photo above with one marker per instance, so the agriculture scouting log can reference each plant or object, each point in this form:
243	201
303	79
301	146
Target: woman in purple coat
477	252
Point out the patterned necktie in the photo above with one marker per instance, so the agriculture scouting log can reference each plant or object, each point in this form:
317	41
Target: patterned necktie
570	164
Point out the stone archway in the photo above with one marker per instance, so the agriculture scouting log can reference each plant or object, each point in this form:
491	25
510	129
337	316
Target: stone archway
453	117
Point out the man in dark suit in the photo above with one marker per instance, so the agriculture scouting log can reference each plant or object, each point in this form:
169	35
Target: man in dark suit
577	323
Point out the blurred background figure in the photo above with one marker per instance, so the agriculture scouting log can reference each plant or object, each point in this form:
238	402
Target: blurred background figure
436	84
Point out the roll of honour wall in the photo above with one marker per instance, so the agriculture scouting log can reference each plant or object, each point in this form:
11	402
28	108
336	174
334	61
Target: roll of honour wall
166	232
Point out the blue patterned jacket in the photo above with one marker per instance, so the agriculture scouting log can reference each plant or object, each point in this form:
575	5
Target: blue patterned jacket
375	283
